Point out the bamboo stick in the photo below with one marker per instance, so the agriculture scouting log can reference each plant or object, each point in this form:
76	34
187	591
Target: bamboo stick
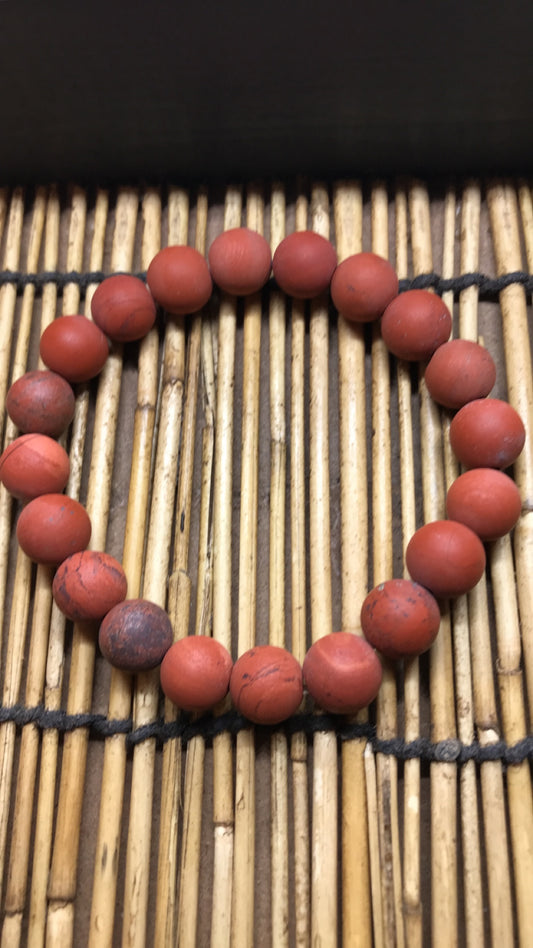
357	909
413	918
390	869
279	774
523	535
520	798
16	637
4	203
14	656
372	809
20	359
324	916
179	607
298	461
496	845
278	434
51	256
189	879
278	467
21	836
242	920
25	319
184	497
525	202
298	568
76	241
204	596
503	210
106	863
62	880
17	881
8	300
8	292
443	775
190	852
448	242
204	622
223	818
469	259
158	545
55	656
471	842
381	459
491	776
249	442
204	610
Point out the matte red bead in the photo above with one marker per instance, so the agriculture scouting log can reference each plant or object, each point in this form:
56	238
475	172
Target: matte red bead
342	672
266	684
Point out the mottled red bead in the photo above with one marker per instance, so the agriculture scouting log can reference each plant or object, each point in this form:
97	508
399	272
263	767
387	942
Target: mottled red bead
400	618
74	347
240	261
415	324
487	432
342	673
41	401
51	527
135	635
179	280
266	684
458	372
88	584
195	673
34	464
123	307
486	500
362	287
446	557
303	264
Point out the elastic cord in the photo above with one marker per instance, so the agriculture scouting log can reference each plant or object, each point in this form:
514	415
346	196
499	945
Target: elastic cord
489	287
209	727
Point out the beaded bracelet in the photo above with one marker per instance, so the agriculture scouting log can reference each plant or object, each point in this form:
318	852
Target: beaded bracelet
400	618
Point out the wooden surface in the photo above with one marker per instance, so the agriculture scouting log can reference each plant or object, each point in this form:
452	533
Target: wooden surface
257	468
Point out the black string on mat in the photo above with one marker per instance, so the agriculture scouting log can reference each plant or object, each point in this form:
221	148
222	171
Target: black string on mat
209	727
489	287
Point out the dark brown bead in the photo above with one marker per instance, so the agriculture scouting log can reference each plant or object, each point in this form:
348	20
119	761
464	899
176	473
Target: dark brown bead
135	635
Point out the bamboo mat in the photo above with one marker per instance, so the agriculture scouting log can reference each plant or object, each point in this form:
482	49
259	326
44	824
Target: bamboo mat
258	468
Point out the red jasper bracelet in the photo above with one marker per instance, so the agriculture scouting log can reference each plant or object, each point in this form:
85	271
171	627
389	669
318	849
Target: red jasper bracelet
399	618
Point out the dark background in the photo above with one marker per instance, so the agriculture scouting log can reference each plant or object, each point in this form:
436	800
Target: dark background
155	89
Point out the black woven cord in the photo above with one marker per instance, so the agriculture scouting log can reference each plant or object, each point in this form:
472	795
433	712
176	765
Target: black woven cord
209	727
489	287
38	280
